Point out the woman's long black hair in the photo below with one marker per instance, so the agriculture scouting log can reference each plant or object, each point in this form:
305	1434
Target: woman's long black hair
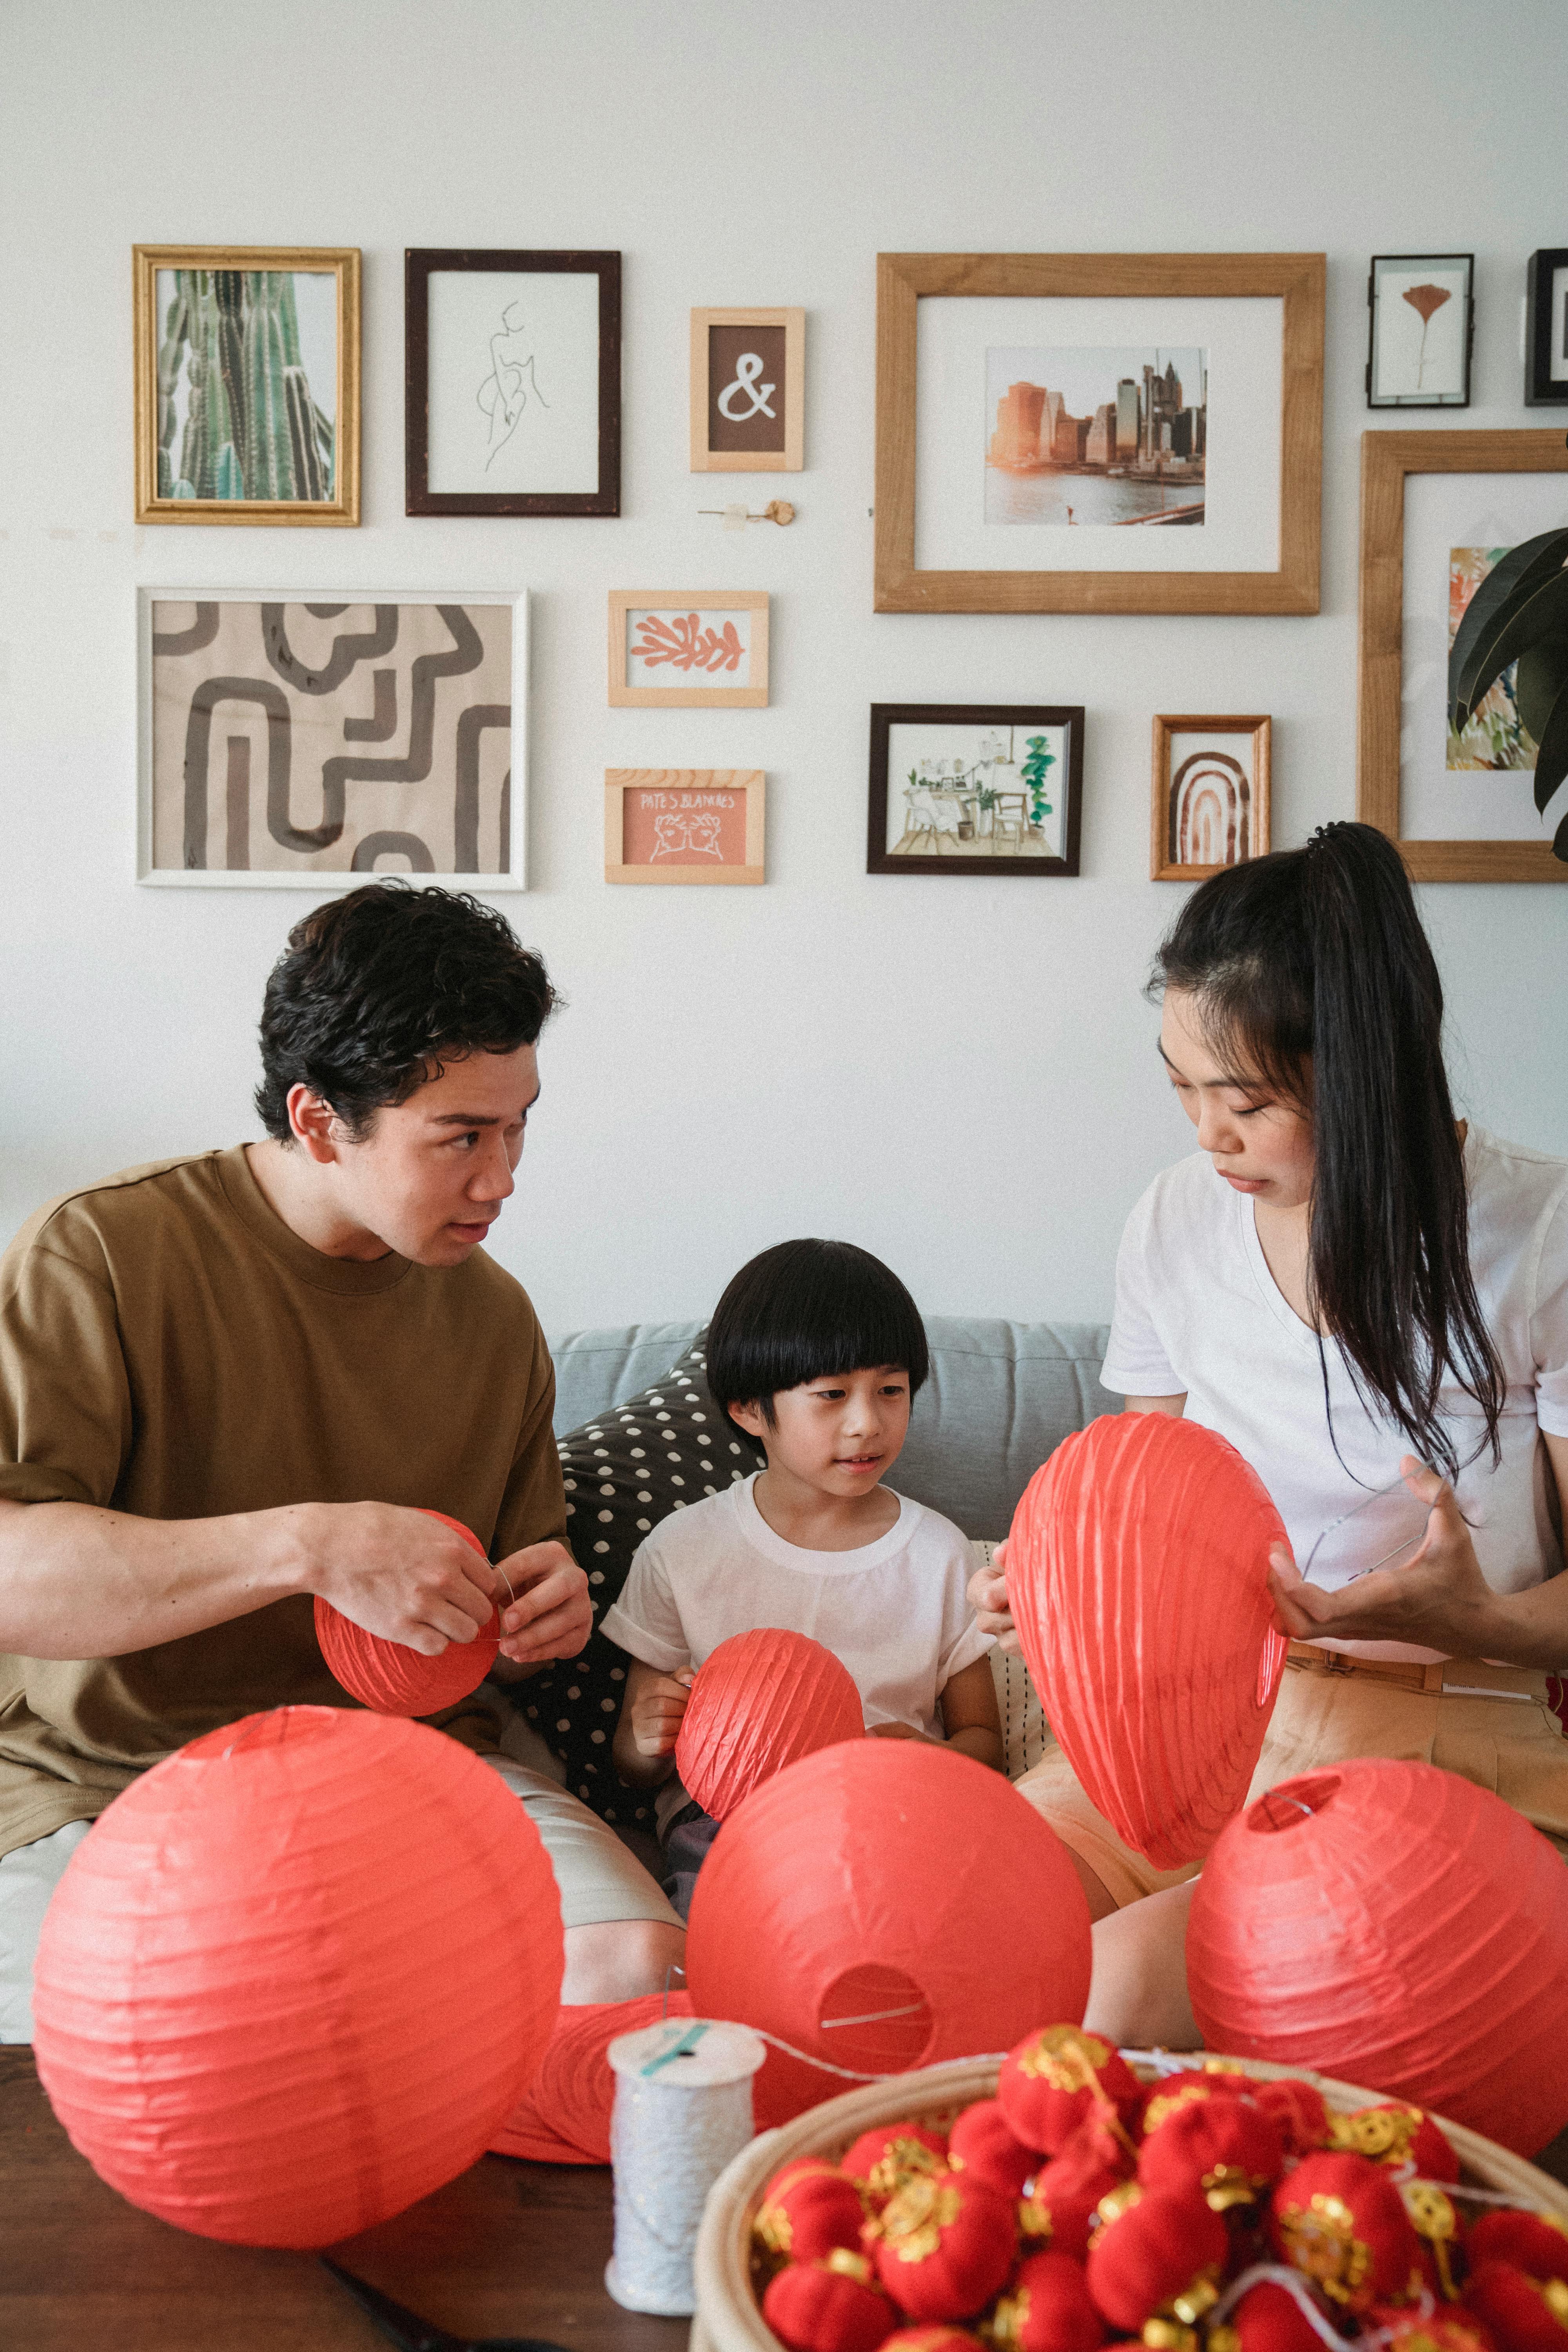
1312	967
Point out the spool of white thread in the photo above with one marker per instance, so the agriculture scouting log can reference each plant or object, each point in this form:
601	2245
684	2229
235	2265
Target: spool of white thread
683	2108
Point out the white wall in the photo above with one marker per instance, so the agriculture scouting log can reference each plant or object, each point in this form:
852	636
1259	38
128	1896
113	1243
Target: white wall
960	1075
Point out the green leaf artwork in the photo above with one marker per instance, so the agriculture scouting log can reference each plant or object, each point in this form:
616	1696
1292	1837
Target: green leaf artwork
250	427
1041	757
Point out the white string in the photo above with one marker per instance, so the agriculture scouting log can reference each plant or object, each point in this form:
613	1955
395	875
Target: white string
670	2137
1295	2287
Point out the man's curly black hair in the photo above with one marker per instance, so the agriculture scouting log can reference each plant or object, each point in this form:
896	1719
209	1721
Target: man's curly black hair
377	990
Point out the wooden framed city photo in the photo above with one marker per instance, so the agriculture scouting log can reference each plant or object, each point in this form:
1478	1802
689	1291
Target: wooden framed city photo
688	649
974	788
748	392
685	824
1209	798
1098	432
247	384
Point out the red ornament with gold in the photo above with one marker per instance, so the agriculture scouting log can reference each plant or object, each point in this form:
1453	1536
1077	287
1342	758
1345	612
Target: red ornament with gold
1300	2111
1064	2194
943	2245
808	2209
883	2160
1340	2221
1439	2331
1048	2308
1061	2077
1267	2318
1155	2263
1185	2087
833	2305
1223	2148
939	2338
1398	2136
1524	2314
1435	2218
1534	2243
983	2142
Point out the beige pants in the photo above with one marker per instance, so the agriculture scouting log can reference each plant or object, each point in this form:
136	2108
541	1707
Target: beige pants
1511	1742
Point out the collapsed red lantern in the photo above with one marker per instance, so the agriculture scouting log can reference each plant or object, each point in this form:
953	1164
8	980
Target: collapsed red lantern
565	2116
1137	1572
941	1917
296	1975
1408	1921
761	1700
393	1678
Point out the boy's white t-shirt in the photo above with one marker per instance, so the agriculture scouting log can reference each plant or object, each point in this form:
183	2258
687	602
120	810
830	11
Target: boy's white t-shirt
1197	1310
895	1612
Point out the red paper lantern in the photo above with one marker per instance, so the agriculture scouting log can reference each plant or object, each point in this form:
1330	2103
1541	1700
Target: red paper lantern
761	1700
393	1678
1060	2078
808	2209
1224	2150
982	2142
882	2160
1160	2255
565	2117
833	2305
1407	1921
939	1918
297	1975
1340	2222
1268	2318
1524	2314
1137	1572
1048	2308
943	2245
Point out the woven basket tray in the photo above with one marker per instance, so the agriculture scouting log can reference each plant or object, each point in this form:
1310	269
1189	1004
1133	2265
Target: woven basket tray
728	2319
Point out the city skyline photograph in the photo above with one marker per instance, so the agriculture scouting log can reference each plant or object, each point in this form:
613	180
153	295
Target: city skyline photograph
1106	435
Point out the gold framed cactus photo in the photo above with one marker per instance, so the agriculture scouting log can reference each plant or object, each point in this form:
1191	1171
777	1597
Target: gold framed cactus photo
247	383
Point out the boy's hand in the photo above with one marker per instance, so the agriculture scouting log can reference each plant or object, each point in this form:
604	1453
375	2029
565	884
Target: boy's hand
988	1599
657	1710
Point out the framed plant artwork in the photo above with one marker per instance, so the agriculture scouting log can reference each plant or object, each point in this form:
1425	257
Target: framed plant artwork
693	649
247	384
1209	804
290	743
513	382
1546	328
974	788
1438	512
685	824
1421	328
1098	432
748	392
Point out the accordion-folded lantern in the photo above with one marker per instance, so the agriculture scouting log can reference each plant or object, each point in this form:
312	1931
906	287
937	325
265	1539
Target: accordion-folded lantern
297	1975
762	1700
1137	1572
391	1678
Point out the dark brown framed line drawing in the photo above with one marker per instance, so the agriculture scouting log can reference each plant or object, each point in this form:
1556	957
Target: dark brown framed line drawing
974	788
1546	328
512	381
1209	799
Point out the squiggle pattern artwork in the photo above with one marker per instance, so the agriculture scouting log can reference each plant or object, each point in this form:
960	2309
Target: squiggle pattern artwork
686	645
503	394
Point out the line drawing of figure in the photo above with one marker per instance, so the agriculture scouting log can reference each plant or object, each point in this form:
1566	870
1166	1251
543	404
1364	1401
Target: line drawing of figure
684	836
502	397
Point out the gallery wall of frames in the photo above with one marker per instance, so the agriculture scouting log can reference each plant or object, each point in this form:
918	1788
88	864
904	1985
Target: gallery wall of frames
953	511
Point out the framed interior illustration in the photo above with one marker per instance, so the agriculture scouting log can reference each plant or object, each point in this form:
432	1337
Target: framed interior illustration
1420	331
691	649
974	788
513	382
1098	432
1209	800
685	824
290	743
1546	328
247	384
748	392
1438	511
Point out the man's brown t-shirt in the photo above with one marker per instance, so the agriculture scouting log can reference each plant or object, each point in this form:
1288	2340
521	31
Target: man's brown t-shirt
169	1347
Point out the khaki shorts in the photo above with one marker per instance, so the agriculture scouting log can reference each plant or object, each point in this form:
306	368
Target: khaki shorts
1508	1740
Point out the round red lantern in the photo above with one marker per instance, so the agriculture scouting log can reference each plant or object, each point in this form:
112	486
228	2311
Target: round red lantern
1268	2317
834	2306
808	2209
296	1975
943	2245
1397	2135
1225	2149
1524	2314
1408	1921
1048	2308
1160	2255
1535	2242
882	2160
982	2142
761	1700
1064	2197
1060	2078
393	1678
565	2116
1137	1571
939	1918
1340	2222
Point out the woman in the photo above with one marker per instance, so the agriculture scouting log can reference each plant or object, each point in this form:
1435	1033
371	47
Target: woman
1370	1301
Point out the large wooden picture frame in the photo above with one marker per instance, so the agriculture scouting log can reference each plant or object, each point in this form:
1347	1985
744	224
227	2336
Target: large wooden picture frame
784	331
1296	279
1386	459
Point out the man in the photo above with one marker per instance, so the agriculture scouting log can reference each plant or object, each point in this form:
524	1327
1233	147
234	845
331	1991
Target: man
228	1382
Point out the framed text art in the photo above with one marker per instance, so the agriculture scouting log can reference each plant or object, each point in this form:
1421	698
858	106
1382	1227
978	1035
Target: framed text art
1420	331
288	743
748	392
688	649
1098	432
685	824
247	384
1546	328
1209	801
1438	512
513	382
974	788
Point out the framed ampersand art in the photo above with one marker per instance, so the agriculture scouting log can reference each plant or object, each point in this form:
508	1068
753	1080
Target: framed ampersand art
748	392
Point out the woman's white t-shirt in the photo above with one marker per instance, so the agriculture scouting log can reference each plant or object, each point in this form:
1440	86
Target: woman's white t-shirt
1198	1311
895	1612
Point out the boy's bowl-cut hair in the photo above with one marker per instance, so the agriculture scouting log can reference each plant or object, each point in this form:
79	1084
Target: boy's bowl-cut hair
802	1311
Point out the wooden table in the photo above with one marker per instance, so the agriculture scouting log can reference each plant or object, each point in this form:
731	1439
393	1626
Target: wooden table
511	2249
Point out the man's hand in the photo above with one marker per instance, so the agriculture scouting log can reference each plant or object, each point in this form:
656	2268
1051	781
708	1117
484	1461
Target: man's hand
1438	1600
988	1599
552	1616
656	1709
399	1573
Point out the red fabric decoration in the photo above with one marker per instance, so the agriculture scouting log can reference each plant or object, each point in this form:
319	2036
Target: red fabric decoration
1066	2193
939	1917
1441	2331
1534	2243
762	1700
1298	2110
566	2118
1340	2221
1137	1570
937	2338
1398	2137
883	2160
943	2245
981	2142
1161	2256
1524	2314
833	2305
808	2209
297	1975
1048	2308
1268	2318
1059	2078
1192	2084
393	1678
1223	2148
1404	1919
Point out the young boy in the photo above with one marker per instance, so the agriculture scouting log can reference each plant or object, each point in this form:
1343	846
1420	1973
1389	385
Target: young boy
816	1350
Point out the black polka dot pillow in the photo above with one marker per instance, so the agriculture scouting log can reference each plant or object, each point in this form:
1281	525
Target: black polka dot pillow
623	1474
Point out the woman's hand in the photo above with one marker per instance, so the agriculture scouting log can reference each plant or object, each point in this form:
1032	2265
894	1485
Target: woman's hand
1438	1599
988	1599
